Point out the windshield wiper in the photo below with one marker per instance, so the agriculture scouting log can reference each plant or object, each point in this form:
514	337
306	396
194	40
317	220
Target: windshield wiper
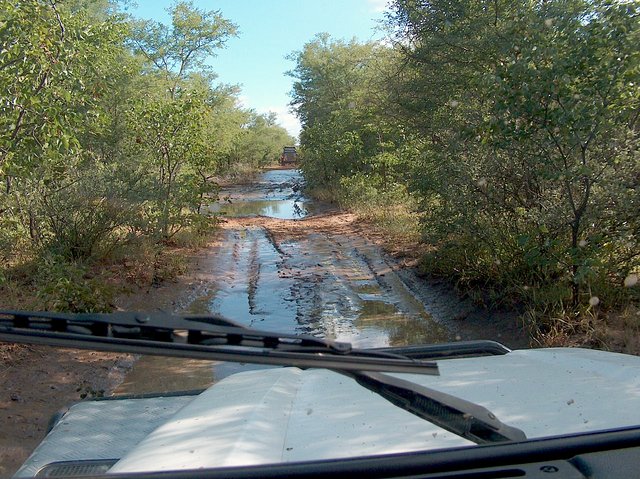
217	338
197	337
459	416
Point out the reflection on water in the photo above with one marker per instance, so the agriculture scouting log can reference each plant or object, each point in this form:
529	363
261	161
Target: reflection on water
367	288
200	305
402	330
374	309
282	209
276	194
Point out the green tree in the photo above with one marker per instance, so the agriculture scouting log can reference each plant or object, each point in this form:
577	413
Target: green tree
182	49
169	136
527	118
339	96
260	141
53	71
183	134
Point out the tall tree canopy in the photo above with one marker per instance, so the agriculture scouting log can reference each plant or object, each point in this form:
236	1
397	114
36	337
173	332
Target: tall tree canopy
111	129
515	125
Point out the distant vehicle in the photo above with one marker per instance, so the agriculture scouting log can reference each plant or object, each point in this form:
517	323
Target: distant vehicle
289	155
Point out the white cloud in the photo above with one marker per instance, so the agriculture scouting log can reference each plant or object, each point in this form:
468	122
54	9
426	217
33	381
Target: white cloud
287	120
378	6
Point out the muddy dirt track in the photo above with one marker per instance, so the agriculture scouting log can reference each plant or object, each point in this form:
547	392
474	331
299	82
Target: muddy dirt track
282	263
278	262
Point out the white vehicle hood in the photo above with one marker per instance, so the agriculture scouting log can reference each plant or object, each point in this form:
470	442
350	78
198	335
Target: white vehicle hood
287	414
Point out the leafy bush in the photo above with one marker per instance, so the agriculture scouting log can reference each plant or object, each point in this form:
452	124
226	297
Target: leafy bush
196	233
389	206
67	287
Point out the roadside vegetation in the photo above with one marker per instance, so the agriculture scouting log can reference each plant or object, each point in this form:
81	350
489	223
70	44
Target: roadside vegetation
506	135
112	133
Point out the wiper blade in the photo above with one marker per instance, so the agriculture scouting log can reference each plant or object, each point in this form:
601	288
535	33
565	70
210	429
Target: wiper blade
216	338
197	337
459	416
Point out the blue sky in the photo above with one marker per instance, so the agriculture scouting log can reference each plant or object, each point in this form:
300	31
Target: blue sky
268	31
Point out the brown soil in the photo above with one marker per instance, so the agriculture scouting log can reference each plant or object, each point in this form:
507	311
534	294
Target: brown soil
36	382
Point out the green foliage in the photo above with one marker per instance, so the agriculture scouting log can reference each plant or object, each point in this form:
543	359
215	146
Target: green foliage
169	139
66	287
339	98
198	232
87	213
390	207
182	49
515	127
11	237
111	134
259	143
531	144
52	70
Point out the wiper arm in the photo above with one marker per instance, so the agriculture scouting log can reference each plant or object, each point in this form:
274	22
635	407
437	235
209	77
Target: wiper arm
216	338
459	416
198	337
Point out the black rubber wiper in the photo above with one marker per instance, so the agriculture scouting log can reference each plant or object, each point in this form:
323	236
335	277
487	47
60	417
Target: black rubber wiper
459	416
198	337
216	338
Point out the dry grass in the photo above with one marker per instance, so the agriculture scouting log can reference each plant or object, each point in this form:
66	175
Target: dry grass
617	331
621	330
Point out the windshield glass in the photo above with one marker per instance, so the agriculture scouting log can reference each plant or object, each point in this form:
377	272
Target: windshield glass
393	175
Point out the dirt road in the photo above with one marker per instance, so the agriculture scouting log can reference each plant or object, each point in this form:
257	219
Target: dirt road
278	262
282	263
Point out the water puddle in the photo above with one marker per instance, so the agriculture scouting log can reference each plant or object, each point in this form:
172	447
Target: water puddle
276	194
367	288
325	285
281	209
373	309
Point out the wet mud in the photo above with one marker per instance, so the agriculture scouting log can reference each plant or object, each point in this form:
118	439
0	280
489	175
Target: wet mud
275	194
277	265
298	270
325	285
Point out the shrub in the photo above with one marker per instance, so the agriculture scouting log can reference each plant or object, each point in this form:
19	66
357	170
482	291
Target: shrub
68	287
